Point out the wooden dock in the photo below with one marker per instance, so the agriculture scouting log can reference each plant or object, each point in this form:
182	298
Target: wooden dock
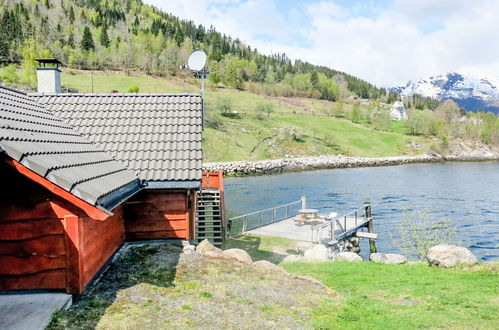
321	230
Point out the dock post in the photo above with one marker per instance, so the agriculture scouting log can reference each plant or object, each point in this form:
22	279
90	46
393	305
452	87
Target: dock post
303	202
370	225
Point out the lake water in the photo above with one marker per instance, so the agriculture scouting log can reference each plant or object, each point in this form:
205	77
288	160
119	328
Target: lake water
465	192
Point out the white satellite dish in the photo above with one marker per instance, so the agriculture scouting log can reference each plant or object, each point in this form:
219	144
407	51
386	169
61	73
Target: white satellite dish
197	60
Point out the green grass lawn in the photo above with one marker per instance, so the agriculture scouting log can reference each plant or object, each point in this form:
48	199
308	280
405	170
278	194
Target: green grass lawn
245	137
377	296
105	83
405	296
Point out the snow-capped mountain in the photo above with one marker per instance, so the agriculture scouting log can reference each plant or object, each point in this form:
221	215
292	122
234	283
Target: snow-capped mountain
472	93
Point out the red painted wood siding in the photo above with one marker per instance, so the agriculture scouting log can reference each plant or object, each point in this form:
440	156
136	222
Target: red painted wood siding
48	243
158	214
212	180
100	240
32	243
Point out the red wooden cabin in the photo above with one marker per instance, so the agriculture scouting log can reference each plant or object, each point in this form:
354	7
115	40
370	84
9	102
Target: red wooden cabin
156	135
84	173
61	216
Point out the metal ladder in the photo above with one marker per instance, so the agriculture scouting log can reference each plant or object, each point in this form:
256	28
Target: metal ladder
209	224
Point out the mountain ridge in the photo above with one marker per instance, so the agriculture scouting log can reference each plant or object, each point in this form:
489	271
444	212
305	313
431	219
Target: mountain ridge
471	92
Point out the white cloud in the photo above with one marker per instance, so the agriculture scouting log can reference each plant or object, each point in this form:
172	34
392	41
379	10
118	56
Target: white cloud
406	40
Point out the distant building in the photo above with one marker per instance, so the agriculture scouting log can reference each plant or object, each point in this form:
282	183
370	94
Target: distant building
398	111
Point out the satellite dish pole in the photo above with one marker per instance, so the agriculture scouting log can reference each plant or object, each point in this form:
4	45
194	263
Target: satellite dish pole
197	63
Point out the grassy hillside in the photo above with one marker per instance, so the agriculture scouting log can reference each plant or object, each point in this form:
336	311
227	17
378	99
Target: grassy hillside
154	287
378	296
295	127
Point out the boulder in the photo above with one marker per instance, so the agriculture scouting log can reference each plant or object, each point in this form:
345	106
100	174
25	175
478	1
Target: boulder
348	256
293	258
213	254
354	240
237	254
266	266
206	246
189	249
301	247
450	256
318	252
388	258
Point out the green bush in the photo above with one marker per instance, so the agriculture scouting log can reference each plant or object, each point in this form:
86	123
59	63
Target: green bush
355	113
418	232
423	123
338	110
380	118
133	89
213	120
329	141
224	105
264	108
295	135
9	75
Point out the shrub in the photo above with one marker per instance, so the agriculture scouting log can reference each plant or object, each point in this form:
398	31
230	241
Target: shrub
418	232
338	110
423	123
329	140
380	119
296	135
133	89
264	108
9	75
444	142
224	105
355	113
213	120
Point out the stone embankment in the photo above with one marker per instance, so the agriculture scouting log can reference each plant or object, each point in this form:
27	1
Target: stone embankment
274	166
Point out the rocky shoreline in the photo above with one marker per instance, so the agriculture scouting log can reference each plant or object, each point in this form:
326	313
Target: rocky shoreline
248	168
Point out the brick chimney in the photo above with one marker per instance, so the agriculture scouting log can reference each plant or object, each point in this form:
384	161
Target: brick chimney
49	75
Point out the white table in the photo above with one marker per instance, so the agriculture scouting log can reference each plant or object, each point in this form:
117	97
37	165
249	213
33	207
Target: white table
307	214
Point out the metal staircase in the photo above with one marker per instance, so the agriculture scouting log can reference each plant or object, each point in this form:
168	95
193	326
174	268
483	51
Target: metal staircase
209	214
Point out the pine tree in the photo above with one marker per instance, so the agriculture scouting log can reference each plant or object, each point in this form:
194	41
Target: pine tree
104	39
71	15
71	40
87	43
314	79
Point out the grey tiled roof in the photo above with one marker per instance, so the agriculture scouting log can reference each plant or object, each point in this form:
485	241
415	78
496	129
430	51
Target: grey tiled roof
51	148
157	135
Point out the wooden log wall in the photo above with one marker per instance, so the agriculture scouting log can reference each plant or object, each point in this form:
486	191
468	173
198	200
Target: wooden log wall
159	214
32	237
48	243
100	240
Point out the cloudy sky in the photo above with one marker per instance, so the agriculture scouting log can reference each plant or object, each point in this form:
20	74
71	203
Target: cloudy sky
386	42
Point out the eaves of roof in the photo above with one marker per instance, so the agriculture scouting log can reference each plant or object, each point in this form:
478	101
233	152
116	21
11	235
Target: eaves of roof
188	185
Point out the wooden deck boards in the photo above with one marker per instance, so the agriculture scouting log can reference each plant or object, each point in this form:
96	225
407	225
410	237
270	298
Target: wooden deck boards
289	228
